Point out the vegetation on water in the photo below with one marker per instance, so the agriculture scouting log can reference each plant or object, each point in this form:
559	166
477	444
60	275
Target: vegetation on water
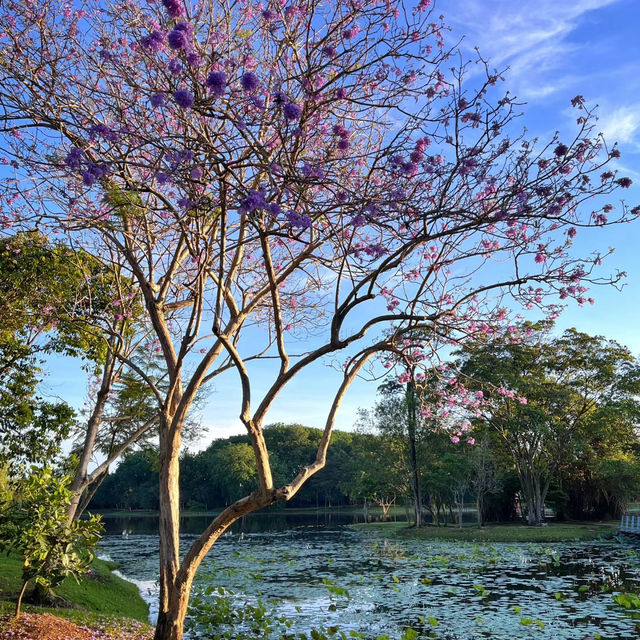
550	532
372	583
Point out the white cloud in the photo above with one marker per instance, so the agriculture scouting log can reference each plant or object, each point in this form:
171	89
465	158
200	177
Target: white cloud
530	36
621	124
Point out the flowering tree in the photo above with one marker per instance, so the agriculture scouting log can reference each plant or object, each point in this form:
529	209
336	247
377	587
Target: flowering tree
284	181
543	397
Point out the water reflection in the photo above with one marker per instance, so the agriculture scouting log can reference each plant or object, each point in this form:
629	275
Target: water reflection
267	520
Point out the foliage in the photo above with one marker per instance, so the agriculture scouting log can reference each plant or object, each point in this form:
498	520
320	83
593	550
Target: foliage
34	523
309	169
99	592
552	403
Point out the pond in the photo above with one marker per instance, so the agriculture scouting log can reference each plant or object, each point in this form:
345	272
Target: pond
326	574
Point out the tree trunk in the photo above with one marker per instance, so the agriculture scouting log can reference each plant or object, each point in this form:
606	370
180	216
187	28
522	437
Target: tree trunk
20	596
79	481
479	507
169	530
413	456
534	513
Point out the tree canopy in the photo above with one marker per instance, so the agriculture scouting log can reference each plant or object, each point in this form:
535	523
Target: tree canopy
300	183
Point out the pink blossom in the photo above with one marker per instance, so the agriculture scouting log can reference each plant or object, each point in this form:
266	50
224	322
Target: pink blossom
455	439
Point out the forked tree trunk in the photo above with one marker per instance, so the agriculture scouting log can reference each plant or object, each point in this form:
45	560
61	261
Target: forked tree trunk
173	611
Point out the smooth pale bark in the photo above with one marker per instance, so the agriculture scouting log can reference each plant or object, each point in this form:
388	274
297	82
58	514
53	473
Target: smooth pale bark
79	483
176	578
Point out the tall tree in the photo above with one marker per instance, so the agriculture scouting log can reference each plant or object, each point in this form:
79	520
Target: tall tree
312	170
59	300
543	395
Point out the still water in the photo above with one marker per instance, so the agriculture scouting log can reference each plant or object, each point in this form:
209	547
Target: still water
317	572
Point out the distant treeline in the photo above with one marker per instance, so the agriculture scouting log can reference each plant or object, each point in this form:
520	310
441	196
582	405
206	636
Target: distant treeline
360	467
225	471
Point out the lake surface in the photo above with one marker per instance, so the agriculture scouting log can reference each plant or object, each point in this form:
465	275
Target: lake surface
446	590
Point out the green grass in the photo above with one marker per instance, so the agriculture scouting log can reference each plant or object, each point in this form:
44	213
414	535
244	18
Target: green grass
99	594
552	532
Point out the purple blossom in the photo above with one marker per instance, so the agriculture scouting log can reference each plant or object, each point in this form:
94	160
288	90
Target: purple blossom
175	8
175	66
162	177
98	171
625	183
298	220
561	150
330	51
186	204
74	158
88	178
217	83
103	131
183	98
473	117
375	250
279	97
409	168
194	60
397	194
249	82
291	111
156	100
340	130
268	15
290	12
274	209
341	93
349	33
343	144
310	171
179	37
255	199
153	41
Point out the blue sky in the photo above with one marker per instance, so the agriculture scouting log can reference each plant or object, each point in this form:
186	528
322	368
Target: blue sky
555	49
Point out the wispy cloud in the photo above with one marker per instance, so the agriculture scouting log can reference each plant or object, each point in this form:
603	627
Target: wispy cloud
622	124
532	37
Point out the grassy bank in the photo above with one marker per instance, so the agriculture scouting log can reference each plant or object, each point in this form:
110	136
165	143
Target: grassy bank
100	600
552	532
